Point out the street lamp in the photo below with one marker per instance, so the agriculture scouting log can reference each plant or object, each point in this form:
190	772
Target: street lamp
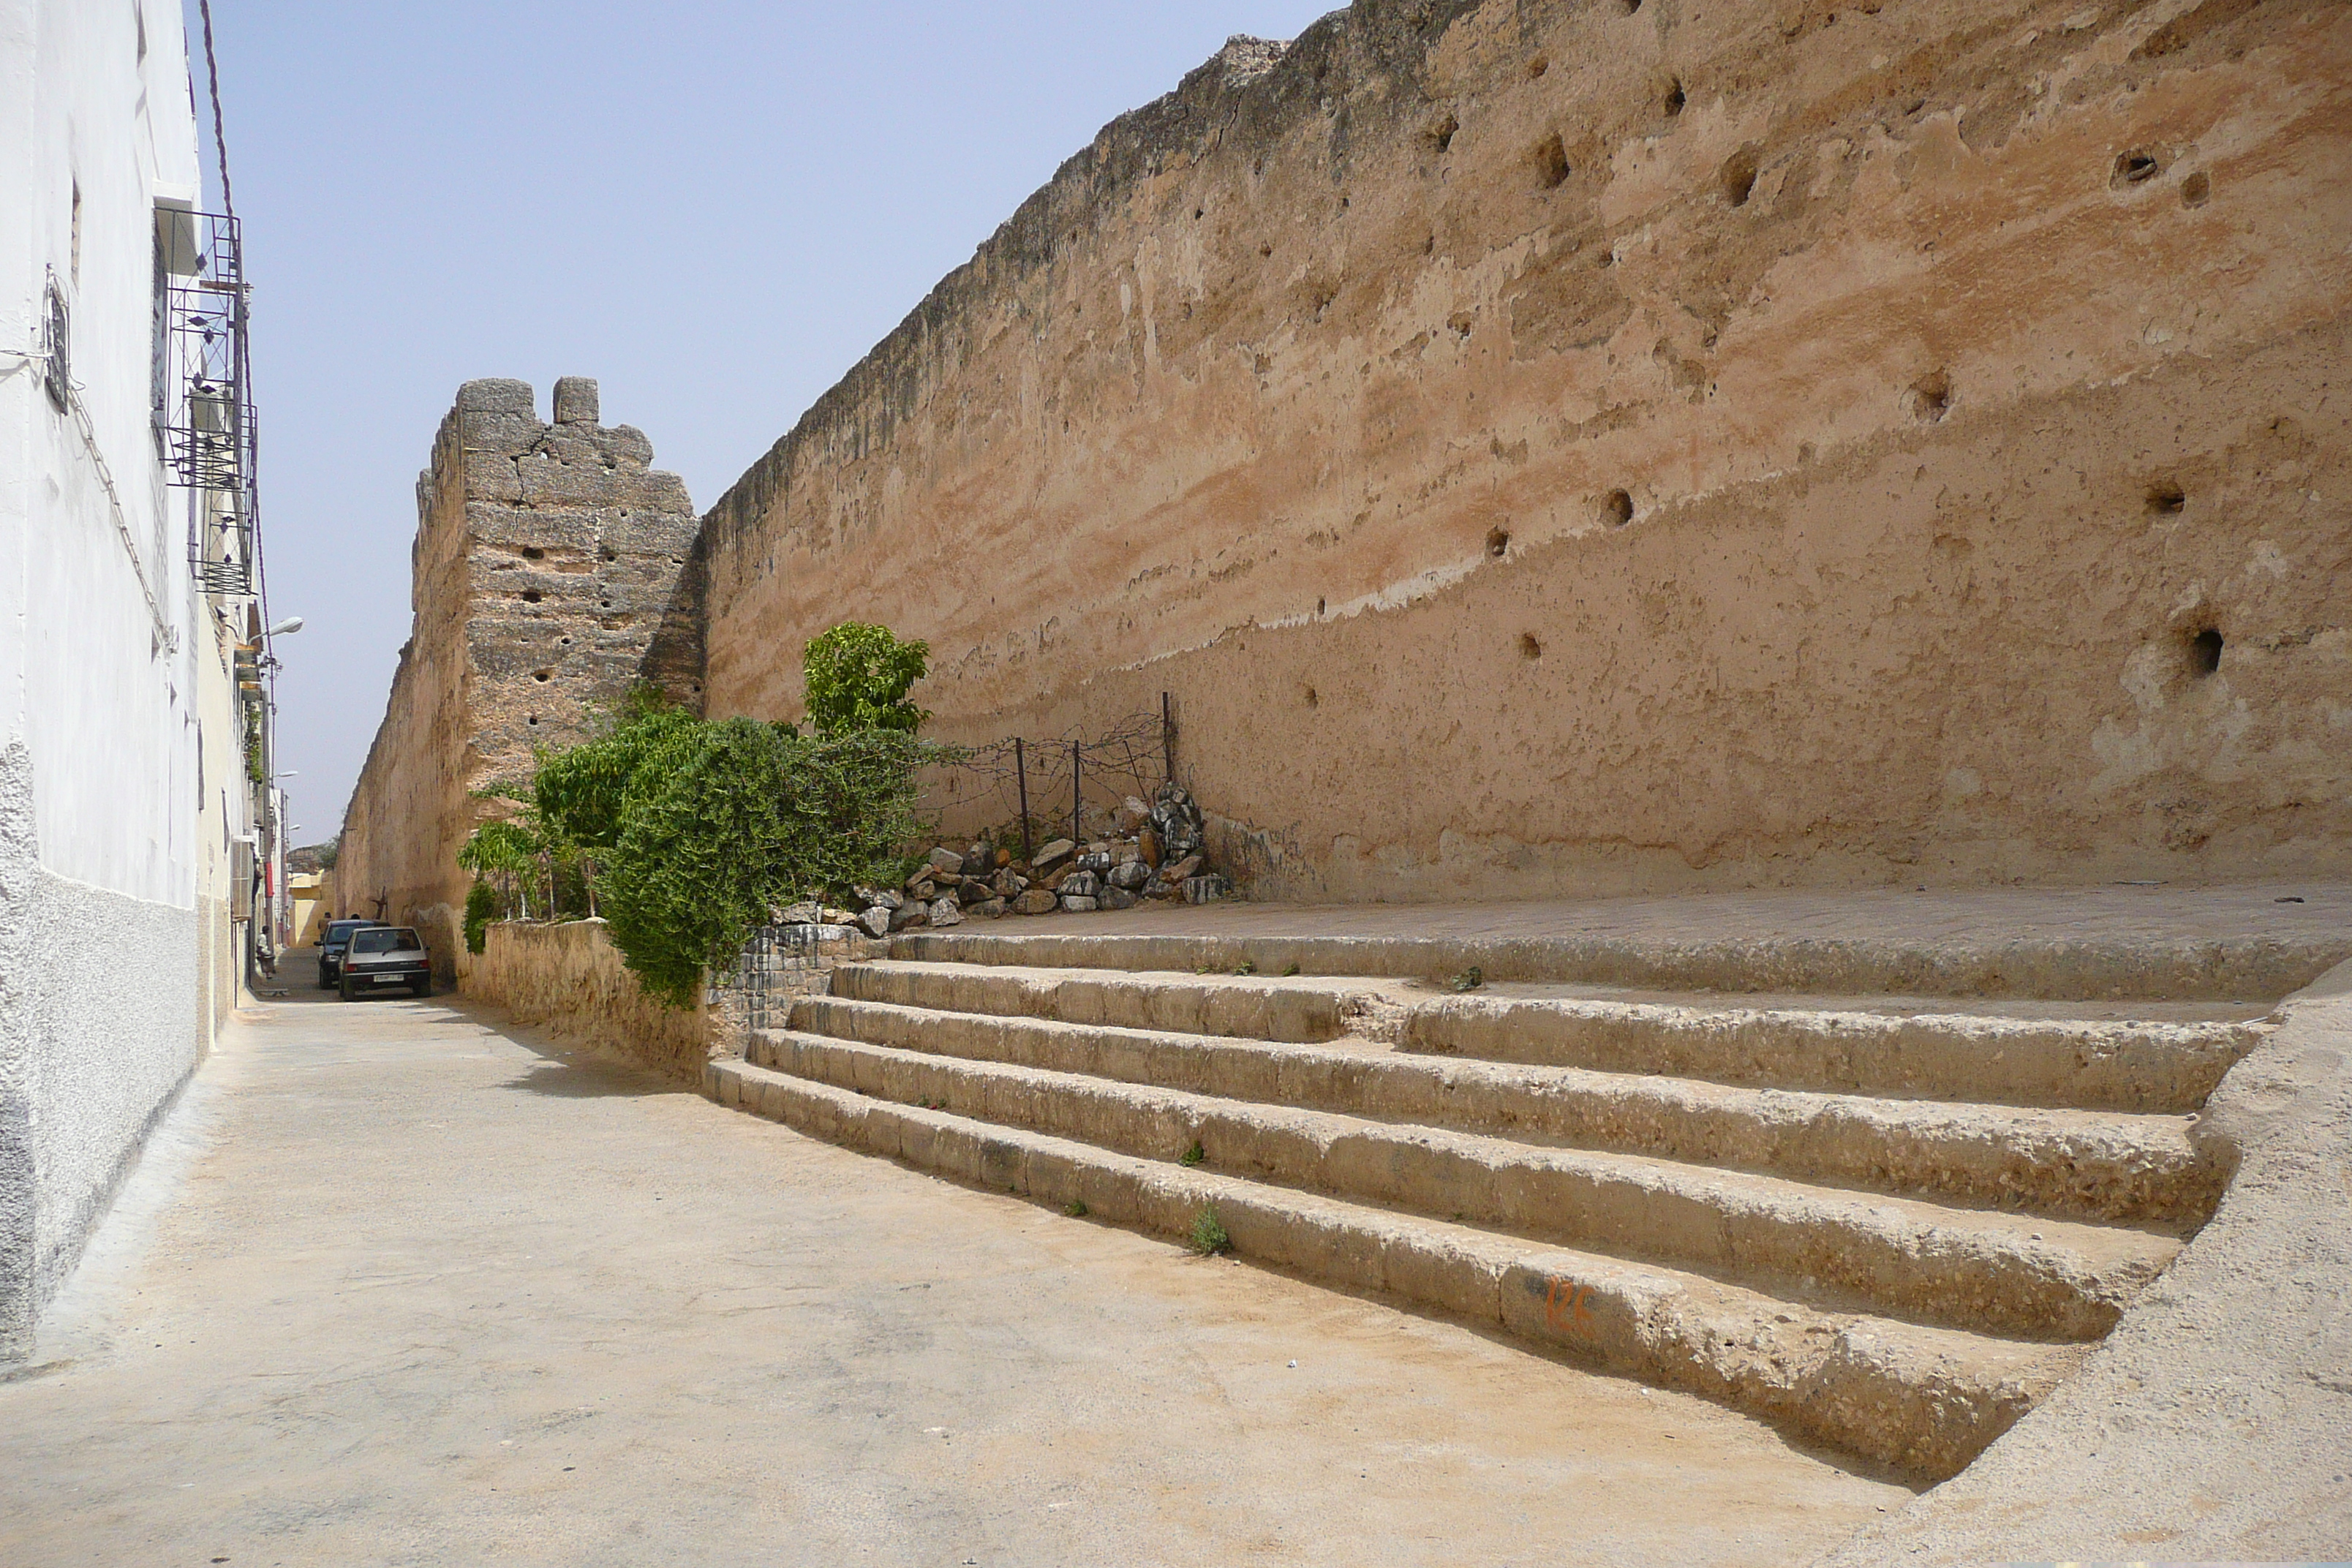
287	627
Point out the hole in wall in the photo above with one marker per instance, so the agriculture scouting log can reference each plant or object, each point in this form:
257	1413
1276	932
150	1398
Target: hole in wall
1440	136
533	553
2197	189
1264	250
2134	168
1498	543
1674	99
606	553
542	675
1551	162
2205	653
1617	509
532	596
1629	6
1931	397
1738	175
1537	67
1529	646
1198	213
1319	606
2165	498
1312	700
565	642
531	719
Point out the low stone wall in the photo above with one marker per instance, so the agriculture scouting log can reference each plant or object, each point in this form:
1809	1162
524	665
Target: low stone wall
569	978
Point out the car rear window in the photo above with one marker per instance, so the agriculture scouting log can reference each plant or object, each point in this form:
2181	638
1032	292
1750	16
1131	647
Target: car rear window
400	939
338	930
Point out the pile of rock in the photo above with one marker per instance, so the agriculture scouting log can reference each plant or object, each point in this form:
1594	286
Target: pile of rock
1149	852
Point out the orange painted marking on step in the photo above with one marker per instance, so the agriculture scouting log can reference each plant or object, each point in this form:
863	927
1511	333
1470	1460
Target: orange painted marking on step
1566	1307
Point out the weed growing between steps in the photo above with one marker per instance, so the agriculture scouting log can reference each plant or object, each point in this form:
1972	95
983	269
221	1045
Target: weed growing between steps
1209	1237
1193	1155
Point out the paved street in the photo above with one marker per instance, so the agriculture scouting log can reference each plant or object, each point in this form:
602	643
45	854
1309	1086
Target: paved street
396	1285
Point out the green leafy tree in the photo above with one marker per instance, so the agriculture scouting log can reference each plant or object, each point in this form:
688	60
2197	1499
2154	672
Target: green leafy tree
578	794
500	848
857	677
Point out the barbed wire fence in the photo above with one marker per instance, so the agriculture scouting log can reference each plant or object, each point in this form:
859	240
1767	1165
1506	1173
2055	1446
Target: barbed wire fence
1038	788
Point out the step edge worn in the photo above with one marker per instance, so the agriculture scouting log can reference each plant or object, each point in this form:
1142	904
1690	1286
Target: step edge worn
1922	1401
1905	1260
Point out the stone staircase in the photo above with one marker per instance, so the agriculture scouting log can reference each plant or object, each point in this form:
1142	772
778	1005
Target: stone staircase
1888	1226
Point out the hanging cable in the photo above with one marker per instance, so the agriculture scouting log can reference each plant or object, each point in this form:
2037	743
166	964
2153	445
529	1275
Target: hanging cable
220	139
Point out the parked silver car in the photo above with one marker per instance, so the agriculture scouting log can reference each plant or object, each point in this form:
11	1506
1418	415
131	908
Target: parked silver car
331	942
381	957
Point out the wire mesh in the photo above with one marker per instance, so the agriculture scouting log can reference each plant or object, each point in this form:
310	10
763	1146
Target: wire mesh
1060	778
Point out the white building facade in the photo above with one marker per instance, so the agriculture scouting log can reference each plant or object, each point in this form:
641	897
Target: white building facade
126	777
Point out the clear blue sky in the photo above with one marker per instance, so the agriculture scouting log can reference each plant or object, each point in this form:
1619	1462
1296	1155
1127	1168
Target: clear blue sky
714	207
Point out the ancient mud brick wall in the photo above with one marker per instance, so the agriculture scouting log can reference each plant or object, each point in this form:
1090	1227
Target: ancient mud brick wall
1594	444
553	570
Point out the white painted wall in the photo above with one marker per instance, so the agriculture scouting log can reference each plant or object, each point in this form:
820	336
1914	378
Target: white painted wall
99	721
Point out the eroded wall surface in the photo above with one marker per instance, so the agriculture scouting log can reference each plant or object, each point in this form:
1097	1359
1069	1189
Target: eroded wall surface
552	572
1558	446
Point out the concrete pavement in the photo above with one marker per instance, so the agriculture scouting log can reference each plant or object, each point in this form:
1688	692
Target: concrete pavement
398	1285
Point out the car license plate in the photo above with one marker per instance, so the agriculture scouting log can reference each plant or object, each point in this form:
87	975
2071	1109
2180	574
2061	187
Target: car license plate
389	979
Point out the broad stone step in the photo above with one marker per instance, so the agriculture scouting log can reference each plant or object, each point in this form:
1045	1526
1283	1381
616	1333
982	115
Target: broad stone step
2091	1166
2030	1277
1193	1005
2235	969
1922	1401
2086	1064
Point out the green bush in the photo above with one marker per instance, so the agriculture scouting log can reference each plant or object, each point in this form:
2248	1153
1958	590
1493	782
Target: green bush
694	830
1208	1237
481	909
722	822
856	677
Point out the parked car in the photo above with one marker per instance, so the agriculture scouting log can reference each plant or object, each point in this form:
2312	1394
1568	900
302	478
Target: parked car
384	956
338	937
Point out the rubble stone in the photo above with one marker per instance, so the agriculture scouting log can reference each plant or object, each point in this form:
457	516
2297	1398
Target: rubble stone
1205	890
947	913
1035	902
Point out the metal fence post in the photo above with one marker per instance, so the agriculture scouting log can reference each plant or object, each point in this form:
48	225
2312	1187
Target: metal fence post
1077	824
1168	736
1021	775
